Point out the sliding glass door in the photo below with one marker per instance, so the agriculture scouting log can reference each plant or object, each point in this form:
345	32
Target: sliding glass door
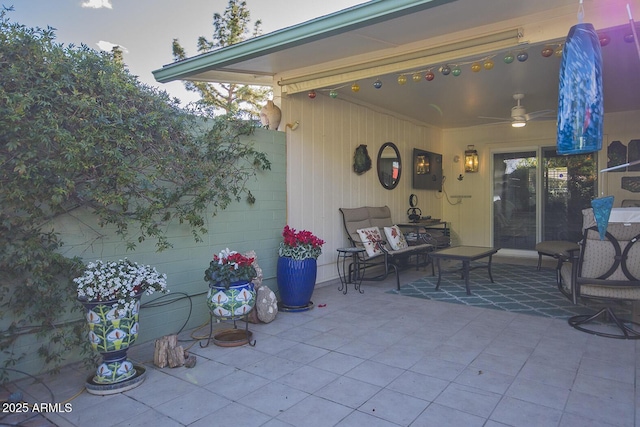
569	184
539	195
514	199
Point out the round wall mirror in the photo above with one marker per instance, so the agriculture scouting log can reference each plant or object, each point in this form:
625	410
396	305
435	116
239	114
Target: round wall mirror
389	165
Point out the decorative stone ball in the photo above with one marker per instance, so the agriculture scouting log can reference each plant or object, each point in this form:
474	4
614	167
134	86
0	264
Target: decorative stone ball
266	304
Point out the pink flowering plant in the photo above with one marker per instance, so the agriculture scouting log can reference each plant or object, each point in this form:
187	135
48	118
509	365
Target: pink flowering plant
299	244
119	281
228	267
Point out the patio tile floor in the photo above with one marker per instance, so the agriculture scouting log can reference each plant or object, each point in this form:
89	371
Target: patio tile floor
373	359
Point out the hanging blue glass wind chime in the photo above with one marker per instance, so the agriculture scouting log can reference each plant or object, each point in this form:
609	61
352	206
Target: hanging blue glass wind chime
580	102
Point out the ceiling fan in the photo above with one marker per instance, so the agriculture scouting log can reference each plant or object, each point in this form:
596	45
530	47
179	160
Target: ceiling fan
519	115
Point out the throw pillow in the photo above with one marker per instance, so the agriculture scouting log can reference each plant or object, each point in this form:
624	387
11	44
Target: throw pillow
369	236
395	238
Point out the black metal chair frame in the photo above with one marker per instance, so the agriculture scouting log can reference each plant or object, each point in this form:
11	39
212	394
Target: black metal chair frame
619	260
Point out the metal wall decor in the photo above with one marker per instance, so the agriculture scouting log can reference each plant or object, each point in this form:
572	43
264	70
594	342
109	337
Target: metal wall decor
361	160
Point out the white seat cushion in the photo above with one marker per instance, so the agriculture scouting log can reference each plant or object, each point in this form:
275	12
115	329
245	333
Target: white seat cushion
395	238
369	237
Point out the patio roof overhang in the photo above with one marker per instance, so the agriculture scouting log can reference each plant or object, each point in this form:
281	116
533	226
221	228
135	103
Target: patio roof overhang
207	67
385	38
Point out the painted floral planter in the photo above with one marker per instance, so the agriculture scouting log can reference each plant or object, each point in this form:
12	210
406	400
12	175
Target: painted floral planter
233	303
111	332
296	281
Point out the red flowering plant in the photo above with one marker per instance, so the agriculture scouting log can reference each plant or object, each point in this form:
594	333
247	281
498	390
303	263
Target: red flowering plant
300	244
228	267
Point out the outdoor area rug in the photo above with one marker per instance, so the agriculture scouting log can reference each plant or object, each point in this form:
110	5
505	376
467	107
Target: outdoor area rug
516	288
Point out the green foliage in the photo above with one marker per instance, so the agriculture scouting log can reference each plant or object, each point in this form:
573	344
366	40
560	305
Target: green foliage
79	133
229	28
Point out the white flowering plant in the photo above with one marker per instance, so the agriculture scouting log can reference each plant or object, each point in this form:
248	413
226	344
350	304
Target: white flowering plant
119	281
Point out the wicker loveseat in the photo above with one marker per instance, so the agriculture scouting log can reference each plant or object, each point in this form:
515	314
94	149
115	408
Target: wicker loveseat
387	260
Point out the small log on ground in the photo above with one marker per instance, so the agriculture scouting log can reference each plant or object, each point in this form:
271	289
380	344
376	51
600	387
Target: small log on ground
167	352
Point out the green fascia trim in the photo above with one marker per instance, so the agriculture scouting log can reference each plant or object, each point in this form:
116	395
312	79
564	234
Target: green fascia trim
336	23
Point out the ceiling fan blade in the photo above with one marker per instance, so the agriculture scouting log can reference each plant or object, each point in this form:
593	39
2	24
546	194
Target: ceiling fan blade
505	119
541	115
505	122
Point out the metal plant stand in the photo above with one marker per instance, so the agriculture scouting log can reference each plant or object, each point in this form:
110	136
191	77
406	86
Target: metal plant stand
230	337
352	271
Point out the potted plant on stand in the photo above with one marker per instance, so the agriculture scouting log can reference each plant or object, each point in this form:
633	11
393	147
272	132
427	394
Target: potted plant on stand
297	268
231	293
110	293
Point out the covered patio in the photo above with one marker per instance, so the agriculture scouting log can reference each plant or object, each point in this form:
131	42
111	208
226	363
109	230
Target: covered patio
373	359
379	73
377	358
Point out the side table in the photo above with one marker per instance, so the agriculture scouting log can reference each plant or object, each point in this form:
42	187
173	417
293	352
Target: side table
351	271
466	254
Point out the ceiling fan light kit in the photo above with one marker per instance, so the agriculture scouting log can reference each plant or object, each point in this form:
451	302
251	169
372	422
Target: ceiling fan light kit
519	116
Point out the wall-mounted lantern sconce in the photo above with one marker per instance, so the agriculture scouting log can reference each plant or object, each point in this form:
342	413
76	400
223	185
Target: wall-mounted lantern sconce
423	166
470	159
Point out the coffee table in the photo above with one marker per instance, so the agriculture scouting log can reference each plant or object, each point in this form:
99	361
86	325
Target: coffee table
466	254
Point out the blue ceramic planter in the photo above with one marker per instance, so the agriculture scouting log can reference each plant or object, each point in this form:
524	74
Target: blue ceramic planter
296	281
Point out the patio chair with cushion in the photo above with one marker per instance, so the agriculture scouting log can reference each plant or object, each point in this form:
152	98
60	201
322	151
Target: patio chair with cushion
371	228
605	271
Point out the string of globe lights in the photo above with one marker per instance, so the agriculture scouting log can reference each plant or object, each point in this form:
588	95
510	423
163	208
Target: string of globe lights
455	69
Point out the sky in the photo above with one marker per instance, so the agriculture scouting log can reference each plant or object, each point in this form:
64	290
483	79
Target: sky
145	29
